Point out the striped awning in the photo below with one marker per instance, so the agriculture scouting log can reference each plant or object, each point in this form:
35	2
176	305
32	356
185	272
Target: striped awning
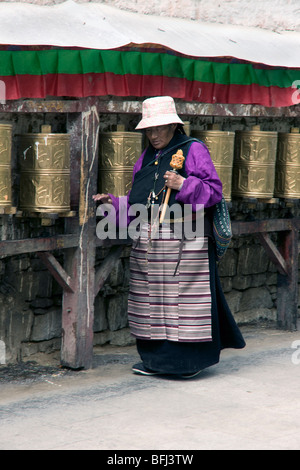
41	67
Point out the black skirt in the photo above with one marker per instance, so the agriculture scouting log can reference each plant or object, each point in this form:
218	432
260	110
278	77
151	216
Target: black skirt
169	357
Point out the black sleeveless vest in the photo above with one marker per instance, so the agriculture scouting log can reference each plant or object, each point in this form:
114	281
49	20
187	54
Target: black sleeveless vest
144	180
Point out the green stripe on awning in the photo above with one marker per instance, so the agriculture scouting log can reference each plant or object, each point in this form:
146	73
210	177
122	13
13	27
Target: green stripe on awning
69	61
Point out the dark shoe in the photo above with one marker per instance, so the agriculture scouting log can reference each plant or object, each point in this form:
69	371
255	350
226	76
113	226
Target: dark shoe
190	376
141	370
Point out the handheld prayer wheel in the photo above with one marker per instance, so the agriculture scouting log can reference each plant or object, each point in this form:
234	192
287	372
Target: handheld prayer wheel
118	152
5	164
45	172
253	173
287	177
221	147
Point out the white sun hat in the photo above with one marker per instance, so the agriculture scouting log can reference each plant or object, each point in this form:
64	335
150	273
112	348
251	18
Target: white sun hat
158	111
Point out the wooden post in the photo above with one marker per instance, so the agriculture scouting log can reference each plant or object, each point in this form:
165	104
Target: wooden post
78	302
287	285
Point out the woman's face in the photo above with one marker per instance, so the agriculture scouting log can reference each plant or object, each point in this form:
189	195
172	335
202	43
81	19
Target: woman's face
160	136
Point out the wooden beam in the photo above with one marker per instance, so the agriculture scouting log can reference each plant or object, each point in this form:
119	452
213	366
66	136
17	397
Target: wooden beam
107	265
43	106
32	245
273	253
57	271
123	105
269	225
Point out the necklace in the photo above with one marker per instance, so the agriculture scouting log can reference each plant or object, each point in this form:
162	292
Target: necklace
153	196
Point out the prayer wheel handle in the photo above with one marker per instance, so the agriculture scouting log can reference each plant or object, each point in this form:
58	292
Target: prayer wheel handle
176	163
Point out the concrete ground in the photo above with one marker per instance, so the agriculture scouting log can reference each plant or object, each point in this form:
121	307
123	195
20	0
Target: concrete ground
250	400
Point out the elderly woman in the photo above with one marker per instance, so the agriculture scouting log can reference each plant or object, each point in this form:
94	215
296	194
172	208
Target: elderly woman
176	308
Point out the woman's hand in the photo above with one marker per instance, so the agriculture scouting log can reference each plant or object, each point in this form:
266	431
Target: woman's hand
173	180
102	198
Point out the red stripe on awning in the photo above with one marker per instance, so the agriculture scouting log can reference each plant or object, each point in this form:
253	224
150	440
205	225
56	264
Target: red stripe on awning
84	85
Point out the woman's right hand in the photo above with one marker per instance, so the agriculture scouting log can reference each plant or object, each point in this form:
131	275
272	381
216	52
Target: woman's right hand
102	198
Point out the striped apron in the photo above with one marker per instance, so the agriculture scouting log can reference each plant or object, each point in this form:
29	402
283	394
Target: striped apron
164	306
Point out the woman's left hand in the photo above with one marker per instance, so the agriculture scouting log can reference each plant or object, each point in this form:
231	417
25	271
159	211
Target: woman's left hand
173	180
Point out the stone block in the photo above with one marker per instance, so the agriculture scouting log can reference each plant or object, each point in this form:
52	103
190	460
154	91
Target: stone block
258	280
15	325
256	298
117	311
100	319
233	299
252	260
226	283
126	251
126	277
122	338
46	347
2	268
30	284
16	265
47	326
241	282
271	279
255	315
116	275
41	303
227	265
101	338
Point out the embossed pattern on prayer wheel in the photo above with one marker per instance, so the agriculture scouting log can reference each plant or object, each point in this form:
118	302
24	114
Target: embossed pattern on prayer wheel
253	173
118	152
45	172
5	164
287	178
221	147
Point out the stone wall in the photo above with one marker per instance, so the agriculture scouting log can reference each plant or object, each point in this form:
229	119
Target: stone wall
110	323
249	282
30	299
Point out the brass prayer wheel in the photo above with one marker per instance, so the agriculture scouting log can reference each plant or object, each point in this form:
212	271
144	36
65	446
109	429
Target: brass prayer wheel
118	152
221	147
5	164
287	178
253	173
45	172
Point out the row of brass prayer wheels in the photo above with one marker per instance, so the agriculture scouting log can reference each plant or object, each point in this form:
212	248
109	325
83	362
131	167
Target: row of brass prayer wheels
256	164
250	164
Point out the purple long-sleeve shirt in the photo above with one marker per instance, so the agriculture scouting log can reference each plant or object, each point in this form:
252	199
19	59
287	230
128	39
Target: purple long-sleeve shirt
202	185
